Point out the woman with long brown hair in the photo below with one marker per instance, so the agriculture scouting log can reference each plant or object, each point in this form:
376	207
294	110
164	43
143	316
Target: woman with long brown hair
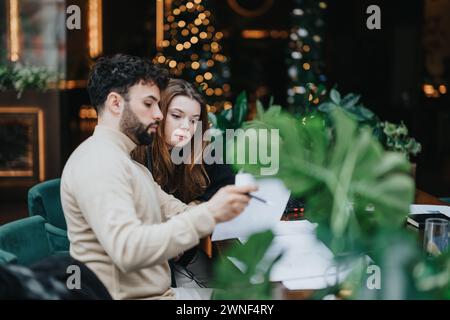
185	112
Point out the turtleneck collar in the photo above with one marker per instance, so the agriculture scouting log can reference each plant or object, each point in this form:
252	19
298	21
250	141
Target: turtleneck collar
116	137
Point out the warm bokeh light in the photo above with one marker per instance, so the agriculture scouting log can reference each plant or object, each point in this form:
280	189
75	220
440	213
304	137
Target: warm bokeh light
208	75
172	64
14	30
195	65
95	28
161	59
227	105
254	34
428	89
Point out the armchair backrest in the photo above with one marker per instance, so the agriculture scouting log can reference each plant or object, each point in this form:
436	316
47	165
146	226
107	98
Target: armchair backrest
44	199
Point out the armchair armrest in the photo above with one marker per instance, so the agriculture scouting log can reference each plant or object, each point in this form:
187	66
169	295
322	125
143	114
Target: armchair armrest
7	257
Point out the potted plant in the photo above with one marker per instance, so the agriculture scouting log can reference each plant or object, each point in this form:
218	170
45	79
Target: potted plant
394	137
20	77
359	194
350	103
232	118
30	119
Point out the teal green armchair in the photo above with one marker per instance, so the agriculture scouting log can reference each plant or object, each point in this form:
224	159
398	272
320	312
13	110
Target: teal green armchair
7	257
24	241
44	200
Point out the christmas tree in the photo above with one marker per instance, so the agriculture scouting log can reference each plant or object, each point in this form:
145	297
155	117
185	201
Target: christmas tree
191	49
305	60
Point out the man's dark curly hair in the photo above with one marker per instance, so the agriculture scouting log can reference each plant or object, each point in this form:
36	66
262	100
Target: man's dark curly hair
120	72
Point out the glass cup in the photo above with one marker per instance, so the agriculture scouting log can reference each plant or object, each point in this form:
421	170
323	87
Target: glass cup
435	240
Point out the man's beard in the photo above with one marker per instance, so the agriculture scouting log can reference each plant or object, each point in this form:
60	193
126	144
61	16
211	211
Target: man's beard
133	128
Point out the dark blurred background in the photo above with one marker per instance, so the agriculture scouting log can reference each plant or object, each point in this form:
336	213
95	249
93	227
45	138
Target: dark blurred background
388	67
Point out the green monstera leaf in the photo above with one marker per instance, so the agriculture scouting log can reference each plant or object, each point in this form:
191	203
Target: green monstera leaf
250	280
240	110
352	187
359	194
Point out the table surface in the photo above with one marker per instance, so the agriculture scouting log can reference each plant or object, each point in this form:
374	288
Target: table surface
281	292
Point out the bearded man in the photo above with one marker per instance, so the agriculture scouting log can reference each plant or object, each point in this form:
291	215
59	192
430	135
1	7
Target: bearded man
121	225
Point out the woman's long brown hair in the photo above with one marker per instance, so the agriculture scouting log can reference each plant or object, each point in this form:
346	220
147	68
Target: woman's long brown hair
185	181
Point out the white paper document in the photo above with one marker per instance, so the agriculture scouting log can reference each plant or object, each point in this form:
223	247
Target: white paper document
304	256
258	216
297	227
425	208
306	262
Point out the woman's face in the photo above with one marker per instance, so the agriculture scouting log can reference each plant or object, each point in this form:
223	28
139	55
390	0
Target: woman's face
181	120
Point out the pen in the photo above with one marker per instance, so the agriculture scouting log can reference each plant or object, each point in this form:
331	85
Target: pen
257	198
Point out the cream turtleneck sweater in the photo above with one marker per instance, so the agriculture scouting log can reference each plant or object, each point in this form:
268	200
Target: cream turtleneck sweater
120	223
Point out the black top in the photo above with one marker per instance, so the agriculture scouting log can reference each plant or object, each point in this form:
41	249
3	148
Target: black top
220	175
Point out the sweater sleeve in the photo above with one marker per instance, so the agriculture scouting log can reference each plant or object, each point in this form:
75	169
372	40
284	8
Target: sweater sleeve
170	206
108	207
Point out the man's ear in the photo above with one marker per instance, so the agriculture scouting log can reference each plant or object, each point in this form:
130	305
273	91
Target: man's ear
114	103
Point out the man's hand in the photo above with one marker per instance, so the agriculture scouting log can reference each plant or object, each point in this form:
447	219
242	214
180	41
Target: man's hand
229	202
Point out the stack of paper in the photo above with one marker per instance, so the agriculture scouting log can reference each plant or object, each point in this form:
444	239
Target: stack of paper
258	216
306	262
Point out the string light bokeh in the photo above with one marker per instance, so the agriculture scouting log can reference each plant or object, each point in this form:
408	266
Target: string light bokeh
192	50
305	59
